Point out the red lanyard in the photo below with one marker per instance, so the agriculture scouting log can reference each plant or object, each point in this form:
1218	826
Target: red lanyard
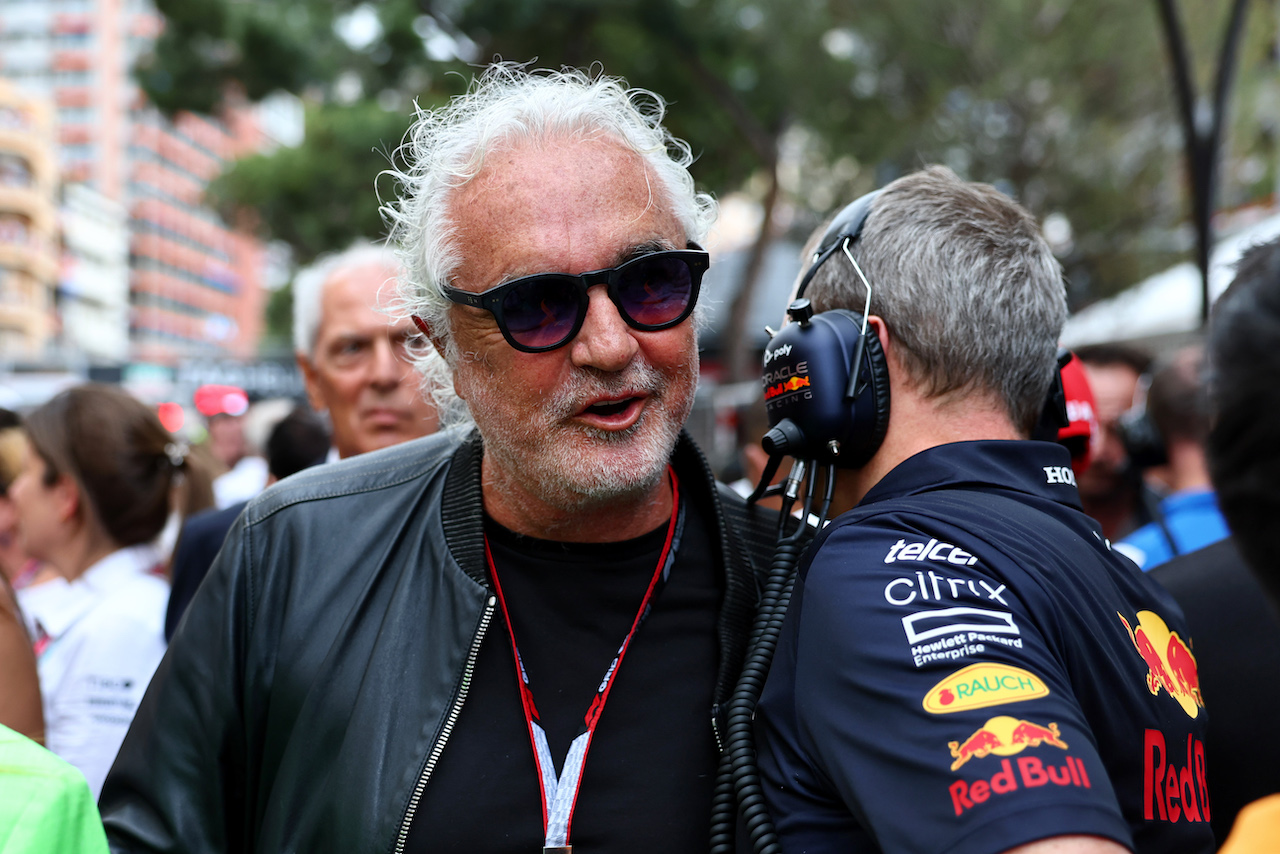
560	794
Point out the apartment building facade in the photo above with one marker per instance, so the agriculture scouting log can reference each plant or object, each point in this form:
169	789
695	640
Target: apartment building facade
194	283
28	235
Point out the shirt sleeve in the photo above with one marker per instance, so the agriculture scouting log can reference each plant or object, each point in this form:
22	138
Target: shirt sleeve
45	805
916	702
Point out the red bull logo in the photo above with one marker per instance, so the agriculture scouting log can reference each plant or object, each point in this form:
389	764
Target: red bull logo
783	388
1170	664
1003	736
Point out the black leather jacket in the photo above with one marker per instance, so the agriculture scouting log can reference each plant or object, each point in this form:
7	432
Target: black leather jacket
315	680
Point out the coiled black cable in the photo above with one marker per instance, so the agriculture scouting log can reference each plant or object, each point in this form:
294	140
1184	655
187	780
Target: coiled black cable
738	788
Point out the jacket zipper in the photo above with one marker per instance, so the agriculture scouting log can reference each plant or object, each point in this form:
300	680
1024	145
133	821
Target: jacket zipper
463	687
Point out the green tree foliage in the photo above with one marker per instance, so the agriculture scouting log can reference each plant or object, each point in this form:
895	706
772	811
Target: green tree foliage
319	196
278	339
1063	105
1066	104
210	48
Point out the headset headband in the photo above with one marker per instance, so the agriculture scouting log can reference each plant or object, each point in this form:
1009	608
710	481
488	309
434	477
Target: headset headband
844	229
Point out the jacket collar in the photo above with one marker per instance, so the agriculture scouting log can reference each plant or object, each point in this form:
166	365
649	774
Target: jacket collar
462	510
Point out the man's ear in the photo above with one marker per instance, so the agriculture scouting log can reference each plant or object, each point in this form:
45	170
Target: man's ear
311	381
888	346
438	342
882	331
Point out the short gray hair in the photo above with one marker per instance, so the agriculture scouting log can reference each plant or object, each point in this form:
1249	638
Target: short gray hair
309	283
447	147
966	284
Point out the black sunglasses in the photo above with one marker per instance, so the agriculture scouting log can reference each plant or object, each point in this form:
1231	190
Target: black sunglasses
545	311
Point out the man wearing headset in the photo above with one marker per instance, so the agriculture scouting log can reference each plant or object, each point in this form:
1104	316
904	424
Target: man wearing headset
503	637
966	666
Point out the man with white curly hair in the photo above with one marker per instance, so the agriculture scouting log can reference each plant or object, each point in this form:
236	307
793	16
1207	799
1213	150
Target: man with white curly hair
532	619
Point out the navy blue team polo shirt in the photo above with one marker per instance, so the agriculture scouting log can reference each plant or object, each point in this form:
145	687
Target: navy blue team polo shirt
966	666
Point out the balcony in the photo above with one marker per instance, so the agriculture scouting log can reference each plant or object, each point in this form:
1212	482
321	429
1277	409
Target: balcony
74	96
72	60
32	148
42	266
27	322
35	206
72	23
75	134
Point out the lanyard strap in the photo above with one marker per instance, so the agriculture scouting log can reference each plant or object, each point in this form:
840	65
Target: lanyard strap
560	794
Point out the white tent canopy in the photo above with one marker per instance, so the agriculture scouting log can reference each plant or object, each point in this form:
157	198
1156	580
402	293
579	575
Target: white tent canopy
1168	302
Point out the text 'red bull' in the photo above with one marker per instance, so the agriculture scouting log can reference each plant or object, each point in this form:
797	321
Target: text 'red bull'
1032	773
1177	794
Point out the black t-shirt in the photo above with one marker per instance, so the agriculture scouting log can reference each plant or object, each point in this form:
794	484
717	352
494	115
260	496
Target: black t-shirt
650	771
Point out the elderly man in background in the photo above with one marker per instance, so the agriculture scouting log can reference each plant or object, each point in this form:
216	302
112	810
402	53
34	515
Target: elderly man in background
352	354
359	671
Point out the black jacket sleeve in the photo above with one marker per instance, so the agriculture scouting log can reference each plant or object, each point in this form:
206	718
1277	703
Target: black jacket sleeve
160	795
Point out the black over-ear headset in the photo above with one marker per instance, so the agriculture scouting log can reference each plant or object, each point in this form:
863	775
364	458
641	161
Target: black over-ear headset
826	382
826	389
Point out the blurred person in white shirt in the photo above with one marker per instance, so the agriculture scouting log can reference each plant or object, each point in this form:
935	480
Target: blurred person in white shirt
99	480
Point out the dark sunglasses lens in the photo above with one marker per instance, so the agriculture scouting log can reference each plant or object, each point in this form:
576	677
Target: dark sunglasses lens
541	311
655	290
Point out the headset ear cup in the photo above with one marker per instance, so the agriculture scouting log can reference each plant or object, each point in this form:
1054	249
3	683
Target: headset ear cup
878	370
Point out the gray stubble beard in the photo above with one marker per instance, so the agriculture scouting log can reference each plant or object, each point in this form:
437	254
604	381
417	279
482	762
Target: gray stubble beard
570	480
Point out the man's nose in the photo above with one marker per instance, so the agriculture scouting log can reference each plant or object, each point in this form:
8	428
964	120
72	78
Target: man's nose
387	368
605	341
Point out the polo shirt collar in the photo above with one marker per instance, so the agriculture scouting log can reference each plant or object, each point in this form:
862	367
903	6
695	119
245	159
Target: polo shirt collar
98	581
1042	469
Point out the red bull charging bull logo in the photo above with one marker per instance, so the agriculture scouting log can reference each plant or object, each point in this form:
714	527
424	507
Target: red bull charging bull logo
782	388
1004	736
1170	664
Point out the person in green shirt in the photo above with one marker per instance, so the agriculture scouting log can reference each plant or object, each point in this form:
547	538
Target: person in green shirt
45	805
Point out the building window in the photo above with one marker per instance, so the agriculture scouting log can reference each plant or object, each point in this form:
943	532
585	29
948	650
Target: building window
75	115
